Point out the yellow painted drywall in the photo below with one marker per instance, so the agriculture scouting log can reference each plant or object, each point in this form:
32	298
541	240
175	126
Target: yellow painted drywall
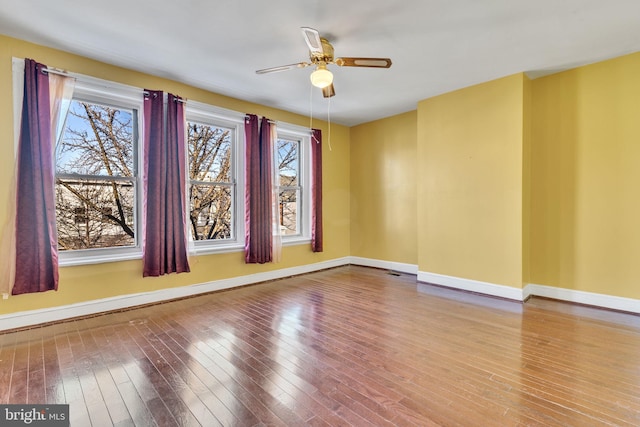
526	179
383	189
553	166
585	203
470	148
85	283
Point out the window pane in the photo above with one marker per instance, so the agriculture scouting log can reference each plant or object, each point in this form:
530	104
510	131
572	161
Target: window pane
210	217
97	140
209	153
94	214
288	176
288	162
288	205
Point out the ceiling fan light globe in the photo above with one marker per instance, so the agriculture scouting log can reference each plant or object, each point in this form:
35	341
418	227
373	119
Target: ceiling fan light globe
321	78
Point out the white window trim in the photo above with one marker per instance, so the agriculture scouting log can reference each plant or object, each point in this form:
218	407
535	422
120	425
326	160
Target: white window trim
110	93
18	93
289	131
216	116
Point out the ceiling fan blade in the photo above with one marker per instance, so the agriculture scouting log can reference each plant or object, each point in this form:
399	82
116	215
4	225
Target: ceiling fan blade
282	68
328	91
363	62
312	37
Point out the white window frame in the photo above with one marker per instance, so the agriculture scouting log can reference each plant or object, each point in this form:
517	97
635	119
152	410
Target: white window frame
292	132
214	116
104	92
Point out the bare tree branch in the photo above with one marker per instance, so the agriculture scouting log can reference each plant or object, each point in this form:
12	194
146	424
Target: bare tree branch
97	141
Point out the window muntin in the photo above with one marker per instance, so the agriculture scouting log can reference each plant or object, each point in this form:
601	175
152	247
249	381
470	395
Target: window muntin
212	187
96	177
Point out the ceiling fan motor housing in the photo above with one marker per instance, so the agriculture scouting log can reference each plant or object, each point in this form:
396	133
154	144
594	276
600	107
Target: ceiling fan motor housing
325	56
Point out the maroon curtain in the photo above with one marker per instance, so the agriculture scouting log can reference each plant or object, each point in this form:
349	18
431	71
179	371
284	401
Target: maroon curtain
165	243
258	210
36	235
316	191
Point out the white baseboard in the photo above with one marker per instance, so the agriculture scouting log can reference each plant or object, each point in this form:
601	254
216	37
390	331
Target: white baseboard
47	315
471	285
386	265
581	297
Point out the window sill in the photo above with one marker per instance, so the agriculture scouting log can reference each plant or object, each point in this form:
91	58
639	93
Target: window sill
236	247
74	260
215	249
71	260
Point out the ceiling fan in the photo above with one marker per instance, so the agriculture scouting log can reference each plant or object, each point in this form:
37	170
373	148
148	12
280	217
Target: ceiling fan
321	55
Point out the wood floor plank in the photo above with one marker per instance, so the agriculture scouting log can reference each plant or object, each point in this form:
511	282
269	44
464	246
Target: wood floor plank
7	354
350	346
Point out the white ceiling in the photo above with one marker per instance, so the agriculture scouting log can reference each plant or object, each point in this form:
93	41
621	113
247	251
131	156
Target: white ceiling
436	45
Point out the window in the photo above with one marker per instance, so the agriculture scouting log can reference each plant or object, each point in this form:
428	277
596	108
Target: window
293	175
215	215
211	188
288	173
97	185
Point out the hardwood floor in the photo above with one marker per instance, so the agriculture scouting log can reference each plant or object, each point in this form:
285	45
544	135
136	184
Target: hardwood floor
347	346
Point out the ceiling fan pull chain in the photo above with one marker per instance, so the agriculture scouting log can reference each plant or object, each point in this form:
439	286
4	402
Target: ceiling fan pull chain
311	108
329	121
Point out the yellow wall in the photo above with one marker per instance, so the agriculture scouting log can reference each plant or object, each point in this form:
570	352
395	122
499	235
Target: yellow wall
526	179
517	181
83	283
470	182
383	189
585	222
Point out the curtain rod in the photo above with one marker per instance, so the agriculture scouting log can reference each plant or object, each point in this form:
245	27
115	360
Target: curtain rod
274	122
65	74
59	73
184	101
